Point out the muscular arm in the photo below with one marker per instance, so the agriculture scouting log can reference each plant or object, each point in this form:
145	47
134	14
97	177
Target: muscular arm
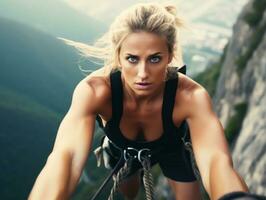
210	147
64	165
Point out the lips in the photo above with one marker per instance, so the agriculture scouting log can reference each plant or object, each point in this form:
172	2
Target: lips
143	85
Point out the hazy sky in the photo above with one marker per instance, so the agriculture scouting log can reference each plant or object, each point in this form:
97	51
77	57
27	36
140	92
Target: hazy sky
189	10
106	10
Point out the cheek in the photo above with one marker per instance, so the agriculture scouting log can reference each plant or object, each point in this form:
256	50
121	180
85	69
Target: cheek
160	73
161	69
128	72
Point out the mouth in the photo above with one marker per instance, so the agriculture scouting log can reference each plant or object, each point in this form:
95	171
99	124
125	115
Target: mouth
143	85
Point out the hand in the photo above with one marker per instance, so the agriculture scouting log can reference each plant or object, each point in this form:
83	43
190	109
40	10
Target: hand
241	196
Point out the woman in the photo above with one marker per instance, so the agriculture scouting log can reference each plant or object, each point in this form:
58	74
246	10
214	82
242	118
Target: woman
142	104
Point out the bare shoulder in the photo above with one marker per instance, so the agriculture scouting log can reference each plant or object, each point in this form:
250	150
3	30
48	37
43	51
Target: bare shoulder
192	96
93	91
98	82
190	88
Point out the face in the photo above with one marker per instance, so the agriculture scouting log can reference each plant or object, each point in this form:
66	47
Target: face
143	60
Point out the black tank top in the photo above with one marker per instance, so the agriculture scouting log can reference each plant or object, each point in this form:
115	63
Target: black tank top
171	137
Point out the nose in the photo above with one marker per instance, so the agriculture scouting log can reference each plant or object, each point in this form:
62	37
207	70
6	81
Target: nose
142	71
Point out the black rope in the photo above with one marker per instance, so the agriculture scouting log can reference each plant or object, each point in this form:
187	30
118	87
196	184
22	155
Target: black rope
115	170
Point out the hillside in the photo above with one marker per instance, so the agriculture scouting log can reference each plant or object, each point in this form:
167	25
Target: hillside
37	79
54	17
33	62
27	131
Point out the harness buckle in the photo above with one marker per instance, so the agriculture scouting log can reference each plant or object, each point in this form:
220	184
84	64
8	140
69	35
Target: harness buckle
128	153
132	153
146	153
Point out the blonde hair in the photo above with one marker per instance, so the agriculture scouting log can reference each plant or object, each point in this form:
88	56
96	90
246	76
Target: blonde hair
150	17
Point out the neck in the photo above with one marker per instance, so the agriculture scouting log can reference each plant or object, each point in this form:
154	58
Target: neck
132	96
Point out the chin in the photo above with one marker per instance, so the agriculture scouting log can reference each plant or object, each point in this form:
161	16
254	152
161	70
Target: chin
143	93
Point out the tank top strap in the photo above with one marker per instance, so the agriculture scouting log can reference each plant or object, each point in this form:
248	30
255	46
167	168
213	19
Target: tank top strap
168	98
168	103
117	95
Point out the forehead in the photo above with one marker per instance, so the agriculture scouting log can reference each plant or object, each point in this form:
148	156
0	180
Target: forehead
143	43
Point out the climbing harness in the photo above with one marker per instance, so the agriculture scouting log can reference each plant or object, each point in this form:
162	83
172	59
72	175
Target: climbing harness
127	156
143	156
123	167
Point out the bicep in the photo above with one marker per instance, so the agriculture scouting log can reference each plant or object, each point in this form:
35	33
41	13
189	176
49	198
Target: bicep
207	134
75	136
75	132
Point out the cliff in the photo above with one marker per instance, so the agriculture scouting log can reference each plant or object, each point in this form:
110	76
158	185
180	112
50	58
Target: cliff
240	96
237	83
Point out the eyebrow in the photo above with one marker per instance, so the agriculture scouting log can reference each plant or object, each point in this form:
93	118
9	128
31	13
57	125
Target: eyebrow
154	54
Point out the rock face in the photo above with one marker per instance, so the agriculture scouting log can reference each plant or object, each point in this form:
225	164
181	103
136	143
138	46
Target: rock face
246	85
249	87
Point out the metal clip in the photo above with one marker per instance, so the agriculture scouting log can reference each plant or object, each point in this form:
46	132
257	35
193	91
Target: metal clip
131	152
143	151
127	152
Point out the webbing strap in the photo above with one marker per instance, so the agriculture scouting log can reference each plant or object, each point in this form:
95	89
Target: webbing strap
168	103
117	95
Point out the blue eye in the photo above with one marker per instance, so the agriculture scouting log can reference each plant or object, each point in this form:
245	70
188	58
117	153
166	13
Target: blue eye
152	59
132	59
155	59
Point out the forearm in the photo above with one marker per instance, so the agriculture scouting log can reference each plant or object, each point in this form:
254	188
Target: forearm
54	180
223	178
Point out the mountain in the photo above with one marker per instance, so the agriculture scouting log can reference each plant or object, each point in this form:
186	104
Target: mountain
240	96
54	17
37	79
237	83
27	131
33	62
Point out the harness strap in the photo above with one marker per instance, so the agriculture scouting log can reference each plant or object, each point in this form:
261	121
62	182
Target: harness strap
117	93
168	104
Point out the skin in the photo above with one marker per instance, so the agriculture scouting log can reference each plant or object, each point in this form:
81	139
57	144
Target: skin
139	62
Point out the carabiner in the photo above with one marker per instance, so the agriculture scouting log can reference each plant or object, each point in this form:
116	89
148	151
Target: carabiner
127	154
141	151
